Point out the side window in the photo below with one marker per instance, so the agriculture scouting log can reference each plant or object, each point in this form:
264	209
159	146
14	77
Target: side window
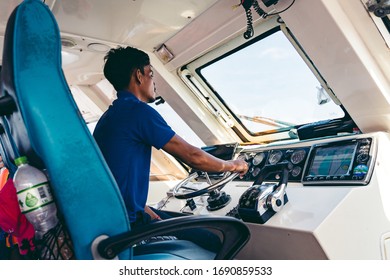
166	111
178	124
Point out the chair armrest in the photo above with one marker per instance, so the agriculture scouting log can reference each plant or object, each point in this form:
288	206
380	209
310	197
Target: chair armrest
235	234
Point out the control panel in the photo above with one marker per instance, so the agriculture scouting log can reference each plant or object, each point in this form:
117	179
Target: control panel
294	157
335	162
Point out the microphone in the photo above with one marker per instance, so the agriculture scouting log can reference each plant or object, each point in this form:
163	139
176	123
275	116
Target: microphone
159	100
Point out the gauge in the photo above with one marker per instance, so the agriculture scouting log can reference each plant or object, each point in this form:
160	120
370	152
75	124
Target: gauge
258	159
275	157
256	172
297	156
296	171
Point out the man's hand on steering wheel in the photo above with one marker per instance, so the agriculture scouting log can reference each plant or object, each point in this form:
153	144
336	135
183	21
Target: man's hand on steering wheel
240	166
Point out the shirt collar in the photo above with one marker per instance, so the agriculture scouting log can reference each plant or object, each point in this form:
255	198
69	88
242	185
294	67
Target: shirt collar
126	95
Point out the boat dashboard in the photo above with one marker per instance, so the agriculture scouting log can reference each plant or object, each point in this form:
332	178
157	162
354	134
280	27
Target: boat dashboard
314	199
334	162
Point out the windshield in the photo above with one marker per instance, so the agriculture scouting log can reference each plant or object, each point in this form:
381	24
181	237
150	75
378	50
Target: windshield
267	85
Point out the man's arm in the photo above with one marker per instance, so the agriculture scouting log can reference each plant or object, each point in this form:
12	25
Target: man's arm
199	159
151	213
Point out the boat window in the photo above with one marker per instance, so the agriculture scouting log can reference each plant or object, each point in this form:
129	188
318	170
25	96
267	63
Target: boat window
165	110
380	14
107	89
267	86
178	124
88	109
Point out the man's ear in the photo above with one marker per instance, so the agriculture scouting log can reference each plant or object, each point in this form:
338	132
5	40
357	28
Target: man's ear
138	76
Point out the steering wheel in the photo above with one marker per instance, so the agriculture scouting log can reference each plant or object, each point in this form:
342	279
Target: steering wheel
226	178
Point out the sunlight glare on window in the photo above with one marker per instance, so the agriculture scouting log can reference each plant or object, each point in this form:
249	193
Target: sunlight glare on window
178	124
267	85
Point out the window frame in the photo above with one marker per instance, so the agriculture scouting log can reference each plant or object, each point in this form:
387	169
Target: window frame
191	76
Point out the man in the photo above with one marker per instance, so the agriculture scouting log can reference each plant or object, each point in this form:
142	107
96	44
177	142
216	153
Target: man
130	127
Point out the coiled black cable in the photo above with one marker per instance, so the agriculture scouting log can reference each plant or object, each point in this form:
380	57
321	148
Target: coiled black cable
247	4
259	10
249	27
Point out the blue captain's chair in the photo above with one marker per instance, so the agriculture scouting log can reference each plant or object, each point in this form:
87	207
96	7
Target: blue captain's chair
45	124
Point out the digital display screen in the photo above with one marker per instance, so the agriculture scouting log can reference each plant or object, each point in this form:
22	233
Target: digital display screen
223	151
332	160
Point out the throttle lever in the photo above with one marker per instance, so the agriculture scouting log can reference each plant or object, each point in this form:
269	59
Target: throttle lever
261	201
276	199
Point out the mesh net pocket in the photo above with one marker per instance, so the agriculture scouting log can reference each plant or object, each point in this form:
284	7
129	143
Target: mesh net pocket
56	244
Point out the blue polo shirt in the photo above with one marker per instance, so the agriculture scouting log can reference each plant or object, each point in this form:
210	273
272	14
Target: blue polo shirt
125	134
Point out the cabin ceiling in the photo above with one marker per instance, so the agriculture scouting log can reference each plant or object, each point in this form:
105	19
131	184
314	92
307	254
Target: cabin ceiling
89	27
140	23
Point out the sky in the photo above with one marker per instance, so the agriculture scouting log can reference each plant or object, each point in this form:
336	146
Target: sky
270	79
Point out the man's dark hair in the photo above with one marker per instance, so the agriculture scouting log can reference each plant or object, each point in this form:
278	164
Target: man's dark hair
120	64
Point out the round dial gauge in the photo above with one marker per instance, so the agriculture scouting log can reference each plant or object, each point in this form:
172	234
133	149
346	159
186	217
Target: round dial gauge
297	156
275	157
258	158
256	172
296	171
